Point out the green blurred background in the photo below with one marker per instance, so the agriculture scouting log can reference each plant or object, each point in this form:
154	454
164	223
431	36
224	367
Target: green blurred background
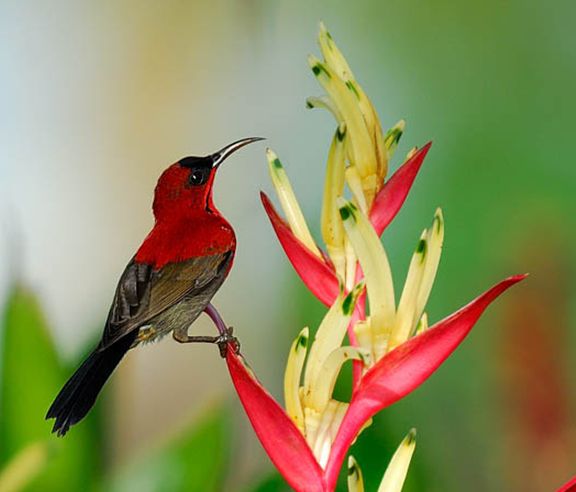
98	98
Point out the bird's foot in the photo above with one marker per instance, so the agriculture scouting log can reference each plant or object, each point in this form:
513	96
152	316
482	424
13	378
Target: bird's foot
223	341
226	340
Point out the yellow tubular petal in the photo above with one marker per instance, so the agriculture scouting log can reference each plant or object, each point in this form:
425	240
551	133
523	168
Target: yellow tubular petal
324	452
337	420
435	241
292	377
331	224
329	425
329	337
375	266
422	325
24	467
406	314
355	184
289	203
333	56
363	333
419	282
361	147
351	263
395	475
381	154
321	444
393	136
411	153
338	257
336	61
312	420
355	480
323	386
374	129
326	103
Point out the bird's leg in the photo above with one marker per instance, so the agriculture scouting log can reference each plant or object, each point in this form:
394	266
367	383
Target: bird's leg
211	311
222	340
226	335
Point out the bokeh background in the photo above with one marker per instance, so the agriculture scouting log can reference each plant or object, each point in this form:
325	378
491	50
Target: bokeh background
97	98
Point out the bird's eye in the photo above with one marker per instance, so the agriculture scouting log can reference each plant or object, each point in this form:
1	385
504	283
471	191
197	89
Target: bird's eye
197	177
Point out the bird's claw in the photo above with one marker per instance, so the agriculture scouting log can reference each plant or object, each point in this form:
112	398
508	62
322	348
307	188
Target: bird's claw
227	340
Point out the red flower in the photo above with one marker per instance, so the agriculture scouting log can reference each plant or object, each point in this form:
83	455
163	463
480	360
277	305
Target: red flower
318	273
394	376
392	347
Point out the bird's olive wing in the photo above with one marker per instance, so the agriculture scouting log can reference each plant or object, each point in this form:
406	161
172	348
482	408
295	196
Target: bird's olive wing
143	292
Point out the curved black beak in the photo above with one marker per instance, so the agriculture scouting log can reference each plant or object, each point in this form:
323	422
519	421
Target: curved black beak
222	154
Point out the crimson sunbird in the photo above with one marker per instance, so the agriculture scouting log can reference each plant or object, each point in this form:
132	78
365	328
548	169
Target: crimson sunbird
168	283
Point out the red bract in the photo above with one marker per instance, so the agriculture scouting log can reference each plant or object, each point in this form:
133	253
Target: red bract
318	276
390	198
394	376
568	487
282	441
405	368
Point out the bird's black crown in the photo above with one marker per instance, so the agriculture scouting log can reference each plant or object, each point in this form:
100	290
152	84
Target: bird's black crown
193	162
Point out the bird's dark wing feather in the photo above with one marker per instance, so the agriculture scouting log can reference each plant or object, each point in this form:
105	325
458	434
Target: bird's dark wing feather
143	292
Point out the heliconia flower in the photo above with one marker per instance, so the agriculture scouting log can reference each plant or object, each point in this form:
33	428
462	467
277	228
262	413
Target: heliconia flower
310	404
390	343
359	157
320	275
309	441
388	327
366	148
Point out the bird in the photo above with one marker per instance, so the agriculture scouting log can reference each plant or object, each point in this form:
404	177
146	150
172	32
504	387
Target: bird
166	285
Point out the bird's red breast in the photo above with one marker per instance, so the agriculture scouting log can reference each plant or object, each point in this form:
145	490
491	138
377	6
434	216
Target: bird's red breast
186	237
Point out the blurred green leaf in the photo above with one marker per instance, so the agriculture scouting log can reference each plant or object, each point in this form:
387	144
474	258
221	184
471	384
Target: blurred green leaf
193	461
271	483
30	378
24	467
30	374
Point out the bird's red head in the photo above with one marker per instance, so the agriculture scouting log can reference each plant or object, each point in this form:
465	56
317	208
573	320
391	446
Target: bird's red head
186	186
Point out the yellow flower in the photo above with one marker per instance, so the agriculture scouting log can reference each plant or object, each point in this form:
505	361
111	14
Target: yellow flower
390	345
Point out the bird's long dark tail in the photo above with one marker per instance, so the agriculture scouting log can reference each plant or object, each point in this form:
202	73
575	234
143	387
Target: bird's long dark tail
78	395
